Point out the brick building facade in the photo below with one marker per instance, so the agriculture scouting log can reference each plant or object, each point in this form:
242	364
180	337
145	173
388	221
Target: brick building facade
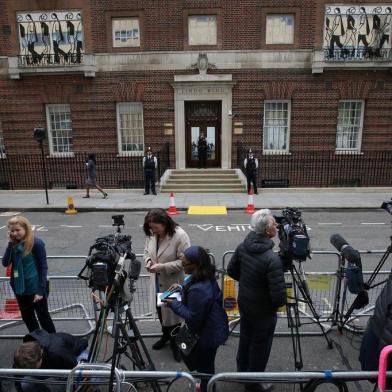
305	83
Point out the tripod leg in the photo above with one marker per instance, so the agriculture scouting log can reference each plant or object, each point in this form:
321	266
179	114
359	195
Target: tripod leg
380	264
338	290
303	288
94	345
131	342
294	323
116	331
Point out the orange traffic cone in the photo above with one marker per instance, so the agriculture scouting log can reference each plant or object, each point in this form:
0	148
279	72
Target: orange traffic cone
172	209
250	209
11	308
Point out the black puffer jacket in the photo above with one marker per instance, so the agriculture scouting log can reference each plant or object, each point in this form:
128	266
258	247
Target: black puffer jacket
258	269
60	350
381	321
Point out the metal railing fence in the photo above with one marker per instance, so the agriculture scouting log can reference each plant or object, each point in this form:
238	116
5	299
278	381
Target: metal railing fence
292	377
113	171
88	371
319	168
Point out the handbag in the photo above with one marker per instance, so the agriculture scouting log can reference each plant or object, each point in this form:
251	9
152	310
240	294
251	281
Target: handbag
186	340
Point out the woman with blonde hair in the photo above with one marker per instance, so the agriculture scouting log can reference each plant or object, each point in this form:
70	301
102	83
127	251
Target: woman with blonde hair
27	256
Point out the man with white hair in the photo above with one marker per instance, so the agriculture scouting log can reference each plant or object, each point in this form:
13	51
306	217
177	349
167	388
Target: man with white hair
262	291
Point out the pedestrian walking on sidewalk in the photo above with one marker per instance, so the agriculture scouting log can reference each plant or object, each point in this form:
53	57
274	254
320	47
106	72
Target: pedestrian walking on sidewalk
201	308
27	256
150	164
165	242
91	181
251	164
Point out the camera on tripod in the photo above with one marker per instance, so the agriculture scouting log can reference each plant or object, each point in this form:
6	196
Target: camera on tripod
106	263
293	236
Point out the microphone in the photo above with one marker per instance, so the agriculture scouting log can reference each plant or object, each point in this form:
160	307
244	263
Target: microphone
347	251
134	269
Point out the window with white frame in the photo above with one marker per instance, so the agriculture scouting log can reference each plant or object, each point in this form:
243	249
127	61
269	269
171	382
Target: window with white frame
202	30
126	33
276	127
280	29
2	146
59	129
349	128
130	128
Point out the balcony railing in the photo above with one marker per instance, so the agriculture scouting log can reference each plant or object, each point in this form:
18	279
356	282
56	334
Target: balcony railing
50	59
355	54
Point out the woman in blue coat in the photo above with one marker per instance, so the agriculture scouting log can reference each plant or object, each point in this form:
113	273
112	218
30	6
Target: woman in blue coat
29	268
202	309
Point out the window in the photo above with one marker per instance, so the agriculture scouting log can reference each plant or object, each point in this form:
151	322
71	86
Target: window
276	126
126	32
130	128
202	30
2	146
349	128
280	29
60	129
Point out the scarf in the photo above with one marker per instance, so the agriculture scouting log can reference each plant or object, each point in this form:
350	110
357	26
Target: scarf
19	281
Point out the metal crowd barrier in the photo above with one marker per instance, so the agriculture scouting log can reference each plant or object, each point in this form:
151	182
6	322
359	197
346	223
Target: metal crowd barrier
323	288
291	377
87	371
70	302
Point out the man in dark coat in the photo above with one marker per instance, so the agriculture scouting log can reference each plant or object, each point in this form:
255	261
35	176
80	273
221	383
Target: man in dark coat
251	164
379	330
43	350
262	291
149	165
202	151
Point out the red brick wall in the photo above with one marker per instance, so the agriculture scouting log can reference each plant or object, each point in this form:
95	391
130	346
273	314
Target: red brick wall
314	98
241	24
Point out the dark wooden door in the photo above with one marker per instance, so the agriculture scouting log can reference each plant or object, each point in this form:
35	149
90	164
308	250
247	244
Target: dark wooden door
203	118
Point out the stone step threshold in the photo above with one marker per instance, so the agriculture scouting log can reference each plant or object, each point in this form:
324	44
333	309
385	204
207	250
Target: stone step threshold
203	171
212	176
208	181
216	186
203	190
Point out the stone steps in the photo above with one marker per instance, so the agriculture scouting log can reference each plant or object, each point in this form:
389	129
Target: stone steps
203	181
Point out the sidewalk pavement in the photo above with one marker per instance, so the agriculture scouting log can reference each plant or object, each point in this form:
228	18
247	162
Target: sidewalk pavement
134	200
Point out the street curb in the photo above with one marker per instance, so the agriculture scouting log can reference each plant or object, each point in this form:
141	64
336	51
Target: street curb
183	209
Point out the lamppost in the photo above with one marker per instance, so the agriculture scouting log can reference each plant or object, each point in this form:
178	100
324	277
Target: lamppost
39	135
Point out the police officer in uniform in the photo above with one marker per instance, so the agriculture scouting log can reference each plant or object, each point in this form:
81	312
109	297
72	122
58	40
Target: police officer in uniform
251	164
149	165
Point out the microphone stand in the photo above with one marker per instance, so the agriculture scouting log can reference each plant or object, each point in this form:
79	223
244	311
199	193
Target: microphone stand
362	298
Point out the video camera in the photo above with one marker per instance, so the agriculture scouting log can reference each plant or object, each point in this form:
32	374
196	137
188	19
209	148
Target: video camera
294	239
387	206
106	263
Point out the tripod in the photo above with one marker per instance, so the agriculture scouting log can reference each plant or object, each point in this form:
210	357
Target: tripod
362	298
127	340
300	286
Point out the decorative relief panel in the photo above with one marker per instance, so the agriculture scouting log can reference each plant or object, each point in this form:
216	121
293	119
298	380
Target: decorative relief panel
50	38
360	32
